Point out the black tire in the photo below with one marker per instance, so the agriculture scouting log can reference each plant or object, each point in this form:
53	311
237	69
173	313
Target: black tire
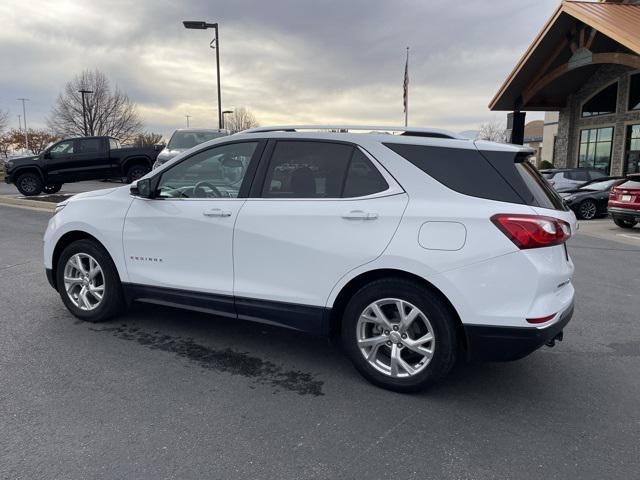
137	171
29	184
112	302
439	316
587	210
52	188
624	223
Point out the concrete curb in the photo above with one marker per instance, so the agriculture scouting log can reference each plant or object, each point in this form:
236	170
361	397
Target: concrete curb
30	204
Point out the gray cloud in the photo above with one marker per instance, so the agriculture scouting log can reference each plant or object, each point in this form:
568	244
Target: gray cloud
288	61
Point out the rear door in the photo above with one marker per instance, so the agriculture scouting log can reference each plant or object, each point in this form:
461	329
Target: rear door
316	211
92	158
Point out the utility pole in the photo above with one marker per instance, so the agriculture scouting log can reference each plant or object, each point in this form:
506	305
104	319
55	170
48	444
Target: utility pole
187	117
24	116
19	122
83	92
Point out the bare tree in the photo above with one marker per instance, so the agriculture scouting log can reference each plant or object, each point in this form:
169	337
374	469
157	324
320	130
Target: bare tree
147	139
109	112
6	145
38	139
494	131
240	119
4	120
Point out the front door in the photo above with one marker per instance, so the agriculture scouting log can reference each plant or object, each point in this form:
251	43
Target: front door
320	210
180	243
61	161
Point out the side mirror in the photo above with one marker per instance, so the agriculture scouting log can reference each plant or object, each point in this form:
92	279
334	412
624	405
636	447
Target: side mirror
142	188
47	155
158	147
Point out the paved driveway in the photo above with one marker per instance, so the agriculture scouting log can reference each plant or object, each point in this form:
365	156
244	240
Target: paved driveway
161	393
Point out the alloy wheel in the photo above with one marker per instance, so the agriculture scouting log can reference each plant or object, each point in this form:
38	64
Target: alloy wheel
28	184
84	281
587	210
395	337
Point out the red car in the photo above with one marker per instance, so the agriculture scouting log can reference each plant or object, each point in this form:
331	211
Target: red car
624	202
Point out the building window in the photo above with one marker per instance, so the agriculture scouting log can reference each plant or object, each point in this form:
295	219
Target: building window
634	92
603	103
632	164
595	148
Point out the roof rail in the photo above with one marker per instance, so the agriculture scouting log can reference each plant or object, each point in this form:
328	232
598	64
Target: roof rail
408	131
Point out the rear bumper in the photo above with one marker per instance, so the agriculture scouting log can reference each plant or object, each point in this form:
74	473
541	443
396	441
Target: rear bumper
501	344
625	213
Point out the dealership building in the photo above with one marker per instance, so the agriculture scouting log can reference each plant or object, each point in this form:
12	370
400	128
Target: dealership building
583	69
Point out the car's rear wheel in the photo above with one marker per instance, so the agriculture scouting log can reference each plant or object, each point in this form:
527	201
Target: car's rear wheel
135	172
587	210
29	184
88	282
399	335
624	223
52	188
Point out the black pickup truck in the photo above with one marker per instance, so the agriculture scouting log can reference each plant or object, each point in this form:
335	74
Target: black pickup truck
78	159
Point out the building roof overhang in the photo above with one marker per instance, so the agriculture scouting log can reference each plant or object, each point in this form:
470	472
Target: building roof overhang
578	38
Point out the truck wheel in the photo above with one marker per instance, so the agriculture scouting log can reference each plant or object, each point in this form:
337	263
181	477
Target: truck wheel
52	188
29	184
136	171
624	223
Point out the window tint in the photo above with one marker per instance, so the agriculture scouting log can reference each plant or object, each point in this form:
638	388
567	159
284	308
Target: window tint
596	174
602	103
113	144
578	175
307	170
634	92
89	145
214	173
501	176
363	178
61	149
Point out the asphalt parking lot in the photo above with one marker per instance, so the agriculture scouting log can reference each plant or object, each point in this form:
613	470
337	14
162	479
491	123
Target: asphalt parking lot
161	393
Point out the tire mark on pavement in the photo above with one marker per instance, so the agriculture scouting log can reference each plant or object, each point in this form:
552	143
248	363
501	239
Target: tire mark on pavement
226	360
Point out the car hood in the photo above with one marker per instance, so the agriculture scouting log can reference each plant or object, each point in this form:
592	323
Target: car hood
23	160
95	193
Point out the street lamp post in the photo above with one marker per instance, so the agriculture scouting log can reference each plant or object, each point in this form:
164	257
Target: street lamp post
24	119
224	121
83	92
187	117
197	25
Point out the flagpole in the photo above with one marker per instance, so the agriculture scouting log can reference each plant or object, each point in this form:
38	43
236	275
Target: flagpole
406	107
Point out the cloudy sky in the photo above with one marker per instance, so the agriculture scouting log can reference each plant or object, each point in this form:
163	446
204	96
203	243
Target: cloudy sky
288	61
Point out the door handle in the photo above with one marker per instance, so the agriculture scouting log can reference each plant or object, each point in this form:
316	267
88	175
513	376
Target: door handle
360	215
216	212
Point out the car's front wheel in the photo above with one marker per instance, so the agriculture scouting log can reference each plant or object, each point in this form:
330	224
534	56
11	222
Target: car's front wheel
399	335
624	223
29	184
587	210
88	282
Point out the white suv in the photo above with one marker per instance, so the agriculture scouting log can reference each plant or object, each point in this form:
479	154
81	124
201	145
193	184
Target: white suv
414	245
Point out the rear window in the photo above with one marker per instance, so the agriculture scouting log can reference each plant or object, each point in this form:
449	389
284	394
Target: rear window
632	184
501	176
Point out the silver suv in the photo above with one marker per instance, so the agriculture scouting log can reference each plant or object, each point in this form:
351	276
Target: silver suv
186	138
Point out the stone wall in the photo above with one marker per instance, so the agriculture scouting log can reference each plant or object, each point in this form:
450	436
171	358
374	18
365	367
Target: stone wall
570	122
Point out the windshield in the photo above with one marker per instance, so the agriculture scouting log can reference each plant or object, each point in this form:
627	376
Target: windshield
188	139
600	186
548	175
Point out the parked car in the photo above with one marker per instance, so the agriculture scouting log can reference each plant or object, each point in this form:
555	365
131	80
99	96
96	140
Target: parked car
185	138
591	199
624	202
374	237
568	178
75	160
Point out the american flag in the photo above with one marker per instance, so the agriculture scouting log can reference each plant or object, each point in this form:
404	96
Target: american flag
405	87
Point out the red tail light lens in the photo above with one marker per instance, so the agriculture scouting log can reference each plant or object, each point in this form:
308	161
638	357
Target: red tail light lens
532	231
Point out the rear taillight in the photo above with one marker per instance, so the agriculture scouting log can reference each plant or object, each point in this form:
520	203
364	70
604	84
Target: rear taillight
532	231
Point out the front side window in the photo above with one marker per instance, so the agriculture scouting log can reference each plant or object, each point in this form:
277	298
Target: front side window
602	103
595	148
89	145
634	92
62	149
214	173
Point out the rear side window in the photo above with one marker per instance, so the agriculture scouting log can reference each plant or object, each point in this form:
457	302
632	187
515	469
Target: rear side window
89	145
363	178
310	169
577	175
596	174
501	176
